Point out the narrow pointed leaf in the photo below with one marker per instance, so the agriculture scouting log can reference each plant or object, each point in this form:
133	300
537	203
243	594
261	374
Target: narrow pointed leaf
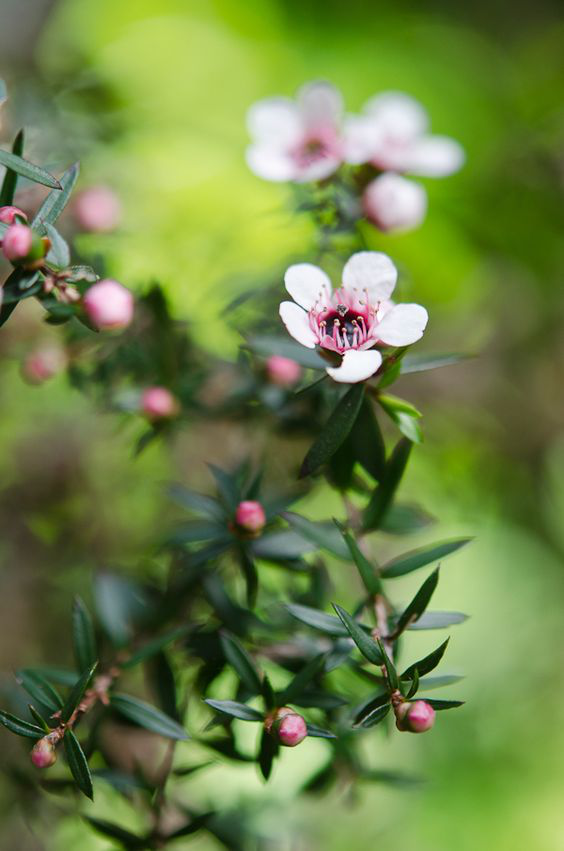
419	603
318	620
56	201
391	672
235	709
302	679
438	620
38	718
199	503
241	662
383	496
21	727
422	363
268	752
421	557
336	429
428	663
376	716
28	170
147	716
78	764
154	647
324	535
59	253
319	733
114	831
77	692
265	346
439	705
9	183
84	641
367	571
365	644
430	683
40	690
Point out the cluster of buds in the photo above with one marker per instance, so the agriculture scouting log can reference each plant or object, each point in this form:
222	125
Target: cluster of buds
416	717
250	518
286	726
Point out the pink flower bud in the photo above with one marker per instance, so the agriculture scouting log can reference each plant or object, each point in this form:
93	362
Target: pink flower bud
283	371
417	717
17	243
158	403
250	516
287	727
42	364
109	305
97	209
43	753
8	214
394	203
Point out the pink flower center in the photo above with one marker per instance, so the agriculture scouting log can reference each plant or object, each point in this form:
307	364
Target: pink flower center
346	322
319	144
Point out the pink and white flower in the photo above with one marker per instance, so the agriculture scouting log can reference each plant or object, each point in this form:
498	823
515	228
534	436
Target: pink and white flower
297	140
353	321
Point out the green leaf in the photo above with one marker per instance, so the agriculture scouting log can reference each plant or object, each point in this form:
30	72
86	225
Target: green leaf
250	573
302	680
59	252
84	641
418	604
391	672
430	683
199	503
56	201
61	676
20	727
77	692
324	535
11	288
235	709
367	441
376	716
114	831
40	690
383	496
412	690
318	699
78	764
268	693
423	362
439	705
421	557
438	620
370	578
318	620
265	346
227	487
335	430
38	718
428	663
241	662
393	405
153	647
405	519
28	170
318	732
9	183
267	754
365	644
147	716
285	544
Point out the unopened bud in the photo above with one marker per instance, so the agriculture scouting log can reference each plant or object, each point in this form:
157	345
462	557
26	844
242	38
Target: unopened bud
287	727
417	717
42	364
250	516
21	246
97	209
394	203
109	305
9	213
283	371
158	403
43	753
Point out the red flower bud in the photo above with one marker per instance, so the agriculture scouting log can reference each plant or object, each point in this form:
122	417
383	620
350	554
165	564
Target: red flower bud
17	243
43	753
108	305
283	371
158	403
42	364
250	516
9	213
417	717
287	727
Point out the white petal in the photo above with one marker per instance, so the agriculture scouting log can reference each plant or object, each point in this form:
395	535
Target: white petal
318	170
296	321
270	163
356	366
320	105
399	115
361	134
435	156
394	203
274	120
371	272
308	285
402	325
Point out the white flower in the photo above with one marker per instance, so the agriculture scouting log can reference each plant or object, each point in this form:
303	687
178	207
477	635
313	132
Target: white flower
394	203
354	319
392	134
297	140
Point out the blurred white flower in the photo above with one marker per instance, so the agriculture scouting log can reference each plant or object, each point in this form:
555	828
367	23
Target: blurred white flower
354	319
394	203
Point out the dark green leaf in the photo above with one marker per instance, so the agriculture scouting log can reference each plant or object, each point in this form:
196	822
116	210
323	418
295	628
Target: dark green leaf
319	700
9	183
235	710
56	201
59	253
77	692
147	716
164	685
318	620
84	641
153	647
21	727
114	831
423	362
367	442
78	764
319	733
227	487
11	288
338	426
251	576
383	496
61	676
404	519
368	706
439	705
268	752
324	535
370	578
242	663
268	693
365	644
40	690
419	603
285	544
421	557
428	663
28	170
438	620
429	683
38	718
302	680
391	672
371	719
199	503
412	690
191	533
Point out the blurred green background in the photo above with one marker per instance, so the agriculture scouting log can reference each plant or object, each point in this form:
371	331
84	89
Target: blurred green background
152	97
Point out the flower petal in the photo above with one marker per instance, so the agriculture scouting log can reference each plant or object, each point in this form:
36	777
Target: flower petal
402	325
274	120
394	203
320	105
308	285
361	138
270	163
318	169
296	321
400	116
434	156
356	366
372	272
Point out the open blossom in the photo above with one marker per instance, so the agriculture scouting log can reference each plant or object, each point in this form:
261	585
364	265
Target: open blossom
354	320
298	140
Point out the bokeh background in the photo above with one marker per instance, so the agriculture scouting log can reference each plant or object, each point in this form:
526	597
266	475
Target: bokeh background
151	96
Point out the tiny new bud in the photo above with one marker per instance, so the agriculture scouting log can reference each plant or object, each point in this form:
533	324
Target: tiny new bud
417	717
394	203
43	753
9	213
108	305
287	727
97	209
158	403
283	371
250	516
